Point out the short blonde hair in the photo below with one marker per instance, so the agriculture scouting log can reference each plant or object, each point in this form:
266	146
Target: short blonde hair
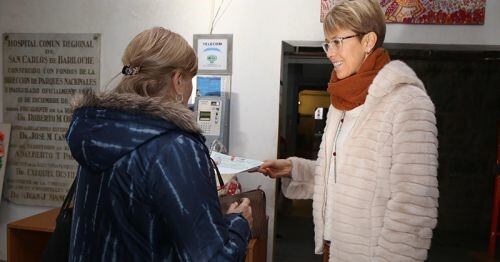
359	16
157	53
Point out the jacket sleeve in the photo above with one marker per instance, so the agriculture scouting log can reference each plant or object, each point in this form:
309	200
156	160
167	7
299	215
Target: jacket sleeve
411	212
185	193
301	184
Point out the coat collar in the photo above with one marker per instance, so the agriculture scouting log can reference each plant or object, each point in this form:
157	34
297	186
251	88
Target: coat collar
176	113
394	74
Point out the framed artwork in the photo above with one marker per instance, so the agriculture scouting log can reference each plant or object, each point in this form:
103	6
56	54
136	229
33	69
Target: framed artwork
215	52
442	12
4	148
325	7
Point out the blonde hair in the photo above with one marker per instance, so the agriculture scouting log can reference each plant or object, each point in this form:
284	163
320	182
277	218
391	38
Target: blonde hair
359	16
157	53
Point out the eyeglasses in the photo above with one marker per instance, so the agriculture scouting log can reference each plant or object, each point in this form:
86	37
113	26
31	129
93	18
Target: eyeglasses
336	43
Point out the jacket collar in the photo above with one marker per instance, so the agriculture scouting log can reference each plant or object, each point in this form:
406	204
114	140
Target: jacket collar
396	73
176	113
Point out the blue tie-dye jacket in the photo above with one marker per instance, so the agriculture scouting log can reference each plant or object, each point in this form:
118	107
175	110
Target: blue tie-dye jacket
145	189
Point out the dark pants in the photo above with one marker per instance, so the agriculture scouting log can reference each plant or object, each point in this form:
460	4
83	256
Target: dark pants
326	251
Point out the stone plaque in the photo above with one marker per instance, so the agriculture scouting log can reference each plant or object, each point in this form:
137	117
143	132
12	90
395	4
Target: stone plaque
41	74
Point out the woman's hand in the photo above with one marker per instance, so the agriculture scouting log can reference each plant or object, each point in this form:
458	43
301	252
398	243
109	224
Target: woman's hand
276	168
244	208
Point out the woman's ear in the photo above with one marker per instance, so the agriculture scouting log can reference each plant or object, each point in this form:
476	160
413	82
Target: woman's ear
176	82
369	40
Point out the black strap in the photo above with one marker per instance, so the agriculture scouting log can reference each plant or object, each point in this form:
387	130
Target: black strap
202	140
65	208
219	177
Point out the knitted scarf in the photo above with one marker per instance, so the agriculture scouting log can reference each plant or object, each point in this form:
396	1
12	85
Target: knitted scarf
351	92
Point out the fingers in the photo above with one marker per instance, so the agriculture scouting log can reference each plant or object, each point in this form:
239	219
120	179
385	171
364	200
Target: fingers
245	202
275	168
265	171
233	208
244	208
266	164
247	214
261	170
269	173
233	205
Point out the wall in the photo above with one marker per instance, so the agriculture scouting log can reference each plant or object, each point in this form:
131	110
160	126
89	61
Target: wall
258	27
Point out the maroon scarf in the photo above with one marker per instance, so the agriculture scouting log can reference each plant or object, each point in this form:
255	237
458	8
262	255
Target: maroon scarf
351	92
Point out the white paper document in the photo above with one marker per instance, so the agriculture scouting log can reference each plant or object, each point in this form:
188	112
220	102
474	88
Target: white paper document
234	165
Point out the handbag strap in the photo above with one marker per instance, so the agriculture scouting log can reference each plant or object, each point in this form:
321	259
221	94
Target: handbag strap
217	172
65	208
212	162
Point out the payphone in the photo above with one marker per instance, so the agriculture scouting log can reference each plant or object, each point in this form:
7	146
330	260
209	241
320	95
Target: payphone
212	115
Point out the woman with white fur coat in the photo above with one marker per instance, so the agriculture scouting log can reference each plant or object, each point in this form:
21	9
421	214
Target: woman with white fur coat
374	184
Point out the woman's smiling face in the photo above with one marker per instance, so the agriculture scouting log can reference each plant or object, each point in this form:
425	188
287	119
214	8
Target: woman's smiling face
348	56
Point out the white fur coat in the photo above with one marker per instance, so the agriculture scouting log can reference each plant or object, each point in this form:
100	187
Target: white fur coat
386	196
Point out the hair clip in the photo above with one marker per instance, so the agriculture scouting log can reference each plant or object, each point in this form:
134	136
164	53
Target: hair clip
128	71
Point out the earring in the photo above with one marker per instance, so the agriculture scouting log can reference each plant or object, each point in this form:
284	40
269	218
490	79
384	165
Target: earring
179	98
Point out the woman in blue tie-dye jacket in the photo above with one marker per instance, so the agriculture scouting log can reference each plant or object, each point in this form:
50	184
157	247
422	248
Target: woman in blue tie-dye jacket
145	187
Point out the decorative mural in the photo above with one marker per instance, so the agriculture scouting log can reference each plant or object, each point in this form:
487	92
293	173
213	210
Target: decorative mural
443	12
325	6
